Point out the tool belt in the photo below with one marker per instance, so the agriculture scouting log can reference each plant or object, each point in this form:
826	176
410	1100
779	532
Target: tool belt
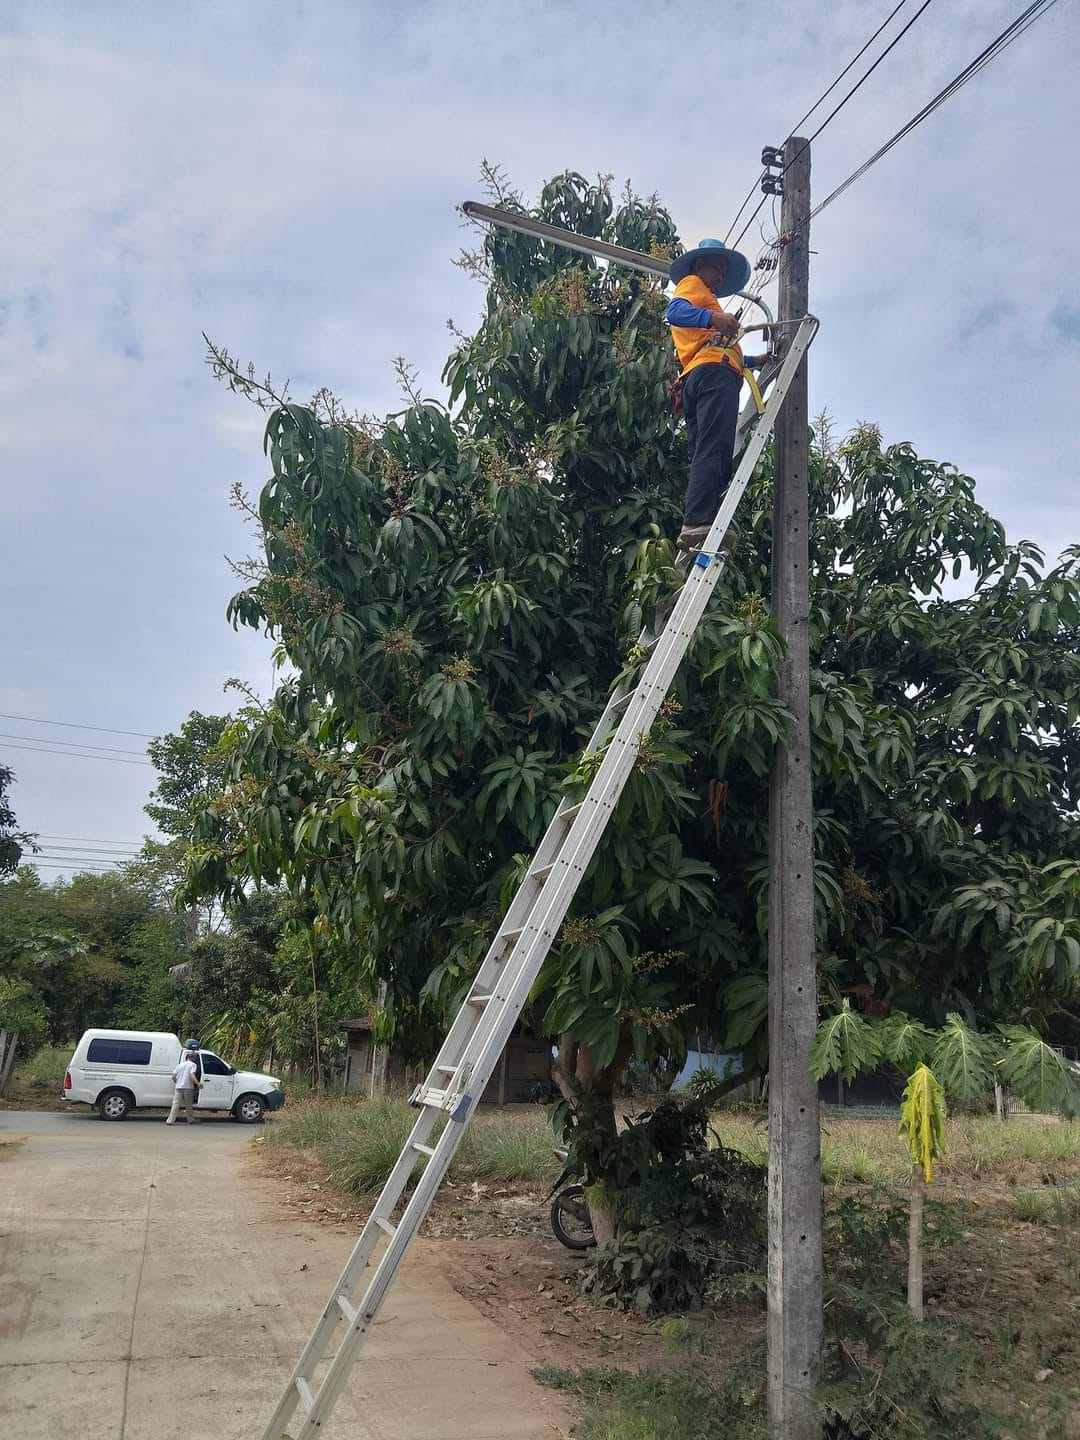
732	359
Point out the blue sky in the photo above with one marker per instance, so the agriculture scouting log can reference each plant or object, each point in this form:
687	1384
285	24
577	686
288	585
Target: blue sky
285	177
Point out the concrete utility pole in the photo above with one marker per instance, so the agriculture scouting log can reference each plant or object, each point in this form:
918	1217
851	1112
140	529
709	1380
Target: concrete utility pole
795	1298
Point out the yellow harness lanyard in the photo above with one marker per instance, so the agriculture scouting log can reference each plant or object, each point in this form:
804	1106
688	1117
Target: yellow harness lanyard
731	356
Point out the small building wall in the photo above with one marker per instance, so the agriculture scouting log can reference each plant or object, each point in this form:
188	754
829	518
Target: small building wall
358	1062
522	1075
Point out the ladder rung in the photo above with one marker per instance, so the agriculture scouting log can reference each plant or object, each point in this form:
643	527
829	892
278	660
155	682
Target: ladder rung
422	1098
447	1069
622	700
479	1001
349	1312
307	1397
425	1149
543	871
570	813
385	1226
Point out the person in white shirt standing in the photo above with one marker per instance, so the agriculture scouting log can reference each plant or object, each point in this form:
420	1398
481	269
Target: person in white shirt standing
185	1079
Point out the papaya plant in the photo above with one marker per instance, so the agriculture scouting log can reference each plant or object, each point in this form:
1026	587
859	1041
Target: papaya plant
956	1061
922	1122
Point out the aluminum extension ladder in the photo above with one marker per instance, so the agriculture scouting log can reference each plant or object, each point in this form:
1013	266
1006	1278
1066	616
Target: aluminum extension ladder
483	1025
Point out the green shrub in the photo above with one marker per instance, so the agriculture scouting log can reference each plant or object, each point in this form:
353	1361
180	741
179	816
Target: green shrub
651	1405
888	1374
688	1212
23	1012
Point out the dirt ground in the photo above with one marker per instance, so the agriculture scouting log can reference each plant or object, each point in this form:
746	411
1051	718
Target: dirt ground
1015	1286
29	1095
496	1247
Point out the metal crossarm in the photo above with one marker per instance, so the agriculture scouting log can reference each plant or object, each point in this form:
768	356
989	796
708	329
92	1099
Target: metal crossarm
479	1034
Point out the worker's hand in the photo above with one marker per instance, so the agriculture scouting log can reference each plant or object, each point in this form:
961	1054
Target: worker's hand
726	326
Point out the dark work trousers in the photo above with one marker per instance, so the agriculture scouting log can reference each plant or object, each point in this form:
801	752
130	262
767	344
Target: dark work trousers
711	406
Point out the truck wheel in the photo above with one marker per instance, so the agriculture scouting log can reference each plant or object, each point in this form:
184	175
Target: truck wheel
250	1109
114	1105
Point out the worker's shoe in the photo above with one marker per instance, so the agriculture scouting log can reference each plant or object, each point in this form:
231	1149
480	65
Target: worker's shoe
693	537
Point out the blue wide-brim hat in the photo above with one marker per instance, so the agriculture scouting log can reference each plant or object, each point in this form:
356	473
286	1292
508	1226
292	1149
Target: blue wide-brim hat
738	266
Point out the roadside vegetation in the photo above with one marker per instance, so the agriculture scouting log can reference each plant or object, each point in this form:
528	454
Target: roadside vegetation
514	1145
979	1149
357	1142
996	1355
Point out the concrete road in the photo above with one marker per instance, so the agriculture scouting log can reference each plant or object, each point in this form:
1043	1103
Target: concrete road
152	1288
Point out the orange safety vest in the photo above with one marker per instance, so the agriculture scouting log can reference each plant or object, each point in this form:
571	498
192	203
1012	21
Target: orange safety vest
695	346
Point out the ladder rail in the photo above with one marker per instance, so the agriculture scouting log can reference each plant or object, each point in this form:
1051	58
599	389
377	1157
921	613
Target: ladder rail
506	975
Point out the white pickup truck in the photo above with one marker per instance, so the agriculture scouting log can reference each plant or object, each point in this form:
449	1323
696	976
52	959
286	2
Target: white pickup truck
124	1070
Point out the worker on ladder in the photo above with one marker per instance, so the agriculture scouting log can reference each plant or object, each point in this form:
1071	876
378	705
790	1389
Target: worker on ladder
712	368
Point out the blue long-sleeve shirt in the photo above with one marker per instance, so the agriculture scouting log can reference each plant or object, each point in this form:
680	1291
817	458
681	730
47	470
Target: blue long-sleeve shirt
681	312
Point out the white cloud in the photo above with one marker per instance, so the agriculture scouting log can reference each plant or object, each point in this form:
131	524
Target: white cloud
284	176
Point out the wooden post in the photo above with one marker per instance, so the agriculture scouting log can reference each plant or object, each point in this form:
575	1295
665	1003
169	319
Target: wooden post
794	1290
9	1040
380	1055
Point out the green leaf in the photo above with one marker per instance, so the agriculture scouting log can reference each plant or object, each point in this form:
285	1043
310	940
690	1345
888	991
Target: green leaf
1042	1078
845	1044
964	1061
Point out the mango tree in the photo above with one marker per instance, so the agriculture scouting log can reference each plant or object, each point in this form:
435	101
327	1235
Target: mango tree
454	590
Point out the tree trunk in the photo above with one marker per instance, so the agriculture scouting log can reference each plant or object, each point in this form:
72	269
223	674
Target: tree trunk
380	1054
915	1257
592	1092
602	1212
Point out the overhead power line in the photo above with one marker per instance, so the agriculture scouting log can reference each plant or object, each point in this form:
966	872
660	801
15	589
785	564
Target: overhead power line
92	868
836	111
77	744
1012	31
70	725
82	860
852	62
824	94
76	755
92	840
88	850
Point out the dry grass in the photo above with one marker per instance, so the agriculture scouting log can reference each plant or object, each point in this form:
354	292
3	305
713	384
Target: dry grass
871	1151
358	1142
